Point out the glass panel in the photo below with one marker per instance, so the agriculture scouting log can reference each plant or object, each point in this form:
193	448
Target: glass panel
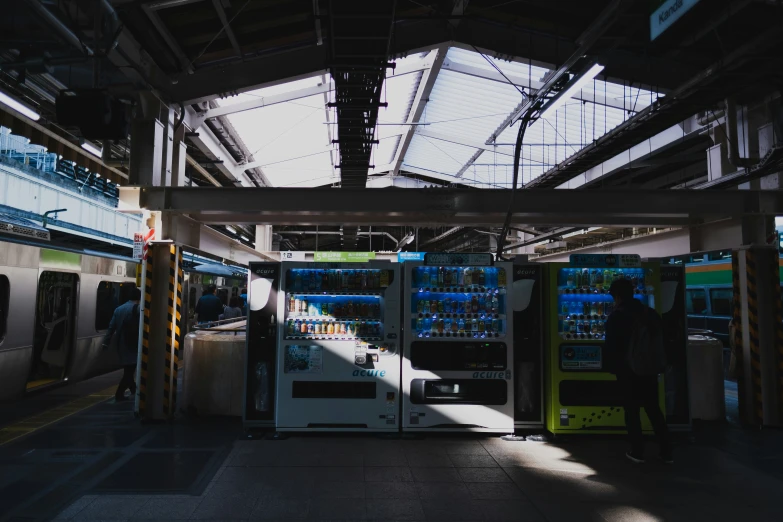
721	301
110	295
584	302
696	301
5	292
336	304
462	302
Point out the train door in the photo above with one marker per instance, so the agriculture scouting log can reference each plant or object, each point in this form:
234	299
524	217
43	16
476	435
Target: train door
55	327
721	308
696	307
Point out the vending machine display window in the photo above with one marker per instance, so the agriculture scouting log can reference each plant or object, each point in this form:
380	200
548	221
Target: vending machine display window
584	303
461	302
334	304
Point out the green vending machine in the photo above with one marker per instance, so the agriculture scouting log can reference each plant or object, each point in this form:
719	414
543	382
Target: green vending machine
582	397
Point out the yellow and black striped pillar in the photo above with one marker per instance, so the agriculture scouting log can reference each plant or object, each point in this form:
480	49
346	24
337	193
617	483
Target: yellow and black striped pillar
737	342
145	339
758	308
174	319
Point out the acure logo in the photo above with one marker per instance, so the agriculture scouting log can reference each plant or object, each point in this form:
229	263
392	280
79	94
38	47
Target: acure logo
369	373
492	375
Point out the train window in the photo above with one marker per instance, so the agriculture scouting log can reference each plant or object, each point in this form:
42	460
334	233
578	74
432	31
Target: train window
5	295
721	301
696	301
110	295
222	293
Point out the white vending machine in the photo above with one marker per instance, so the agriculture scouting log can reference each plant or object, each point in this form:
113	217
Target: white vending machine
339	347
458	350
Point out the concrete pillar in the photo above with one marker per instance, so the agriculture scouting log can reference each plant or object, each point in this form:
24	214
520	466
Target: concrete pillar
264	238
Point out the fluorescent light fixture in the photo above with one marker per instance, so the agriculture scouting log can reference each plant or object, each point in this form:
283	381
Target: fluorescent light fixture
92	149
19	107
574	87
579	232
231	229
97	175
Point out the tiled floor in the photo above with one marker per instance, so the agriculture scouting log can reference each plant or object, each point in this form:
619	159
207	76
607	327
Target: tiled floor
328	477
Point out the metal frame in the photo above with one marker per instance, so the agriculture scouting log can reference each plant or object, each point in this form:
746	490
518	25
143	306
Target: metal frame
301	206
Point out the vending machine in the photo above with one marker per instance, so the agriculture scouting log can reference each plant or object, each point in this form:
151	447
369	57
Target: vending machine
582	396
458	346
339	347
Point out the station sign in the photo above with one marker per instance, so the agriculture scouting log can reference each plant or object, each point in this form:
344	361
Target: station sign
409	256
606	260
343	257
667	14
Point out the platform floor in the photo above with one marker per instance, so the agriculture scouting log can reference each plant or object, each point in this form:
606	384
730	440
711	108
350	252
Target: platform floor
101	464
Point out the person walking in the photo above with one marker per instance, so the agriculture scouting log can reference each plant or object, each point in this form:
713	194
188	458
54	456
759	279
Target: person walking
233	310
635	354
209	306
125	323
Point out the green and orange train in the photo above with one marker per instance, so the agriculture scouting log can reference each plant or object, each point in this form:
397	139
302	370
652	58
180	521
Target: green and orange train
709	296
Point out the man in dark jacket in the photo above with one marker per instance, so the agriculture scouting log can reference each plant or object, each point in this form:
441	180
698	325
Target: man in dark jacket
125	323
209	307
638	391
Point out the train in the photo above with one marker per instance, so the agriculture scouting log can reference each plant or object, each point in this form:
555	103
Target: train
709	296
56	304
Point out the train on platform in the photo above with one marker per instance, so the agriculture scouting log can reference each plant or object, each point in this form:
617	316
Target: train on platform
56	305
709	296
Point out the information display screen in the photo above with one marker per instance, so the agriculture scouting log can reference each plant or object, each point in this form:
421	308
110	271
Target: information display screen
580	357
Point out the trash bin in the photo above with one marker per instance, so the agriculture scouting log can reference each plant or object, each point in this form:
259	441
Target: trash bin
214	371
705	378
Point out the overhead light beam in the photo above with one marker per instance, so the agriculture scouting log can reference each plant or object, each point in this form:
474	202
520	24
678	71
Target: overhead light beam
571	90
19	107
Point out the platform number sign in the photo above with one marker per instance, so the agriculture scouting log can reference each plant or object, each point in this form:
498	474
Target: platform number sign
292	256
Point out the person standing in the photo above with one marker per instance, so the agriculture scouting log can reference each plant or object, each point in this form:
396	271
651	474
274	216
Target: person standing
125	323
209	306
635	354
233	310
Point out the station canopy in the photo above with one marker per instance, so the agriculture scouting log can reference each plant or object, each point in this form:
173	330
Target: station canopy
463	134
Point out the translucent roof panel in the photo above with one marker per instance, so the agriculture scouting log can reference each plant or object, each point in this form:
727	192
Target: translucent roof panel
437	156
290	140
399	92
470	102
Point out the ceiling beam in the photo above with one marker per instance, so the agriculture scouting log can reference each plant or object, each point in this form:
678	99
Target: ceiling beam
201	170
422	207
157	23
227	27
266	101
436	57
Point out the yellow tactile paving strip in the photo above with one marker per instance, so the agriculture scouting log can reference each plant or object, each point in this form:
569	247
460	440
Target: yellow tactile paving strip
48	417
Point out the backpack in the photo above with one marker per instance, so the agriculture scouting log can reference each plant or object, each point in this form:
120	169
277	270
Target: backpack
130	328
646	352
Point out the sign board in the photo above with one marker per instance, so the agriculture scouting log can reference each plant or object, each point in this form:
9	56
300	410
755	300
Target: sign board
138	245
409	256
292	256
606	260
343	257
458	259
667	13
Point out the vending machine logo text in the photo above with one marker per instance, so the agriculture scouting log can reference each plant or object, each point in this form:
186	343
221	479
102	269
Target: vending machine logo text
369	373
492	375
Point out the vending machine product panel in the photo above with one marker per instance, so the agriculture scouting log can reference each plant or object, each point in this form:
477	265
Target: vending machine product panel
339	347
458	347
583	397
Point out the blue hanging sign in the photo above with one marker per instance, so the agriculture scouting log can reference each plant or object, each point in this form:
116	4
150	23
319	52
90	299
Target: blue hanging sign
409	256
667	13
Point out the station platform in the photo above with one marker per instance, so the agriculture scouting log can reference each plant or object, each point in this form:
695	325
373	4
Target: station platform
100	463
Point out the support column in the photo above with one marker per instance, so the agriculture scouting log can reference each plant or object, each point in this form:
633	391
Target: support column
758	321
161	332
264	238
